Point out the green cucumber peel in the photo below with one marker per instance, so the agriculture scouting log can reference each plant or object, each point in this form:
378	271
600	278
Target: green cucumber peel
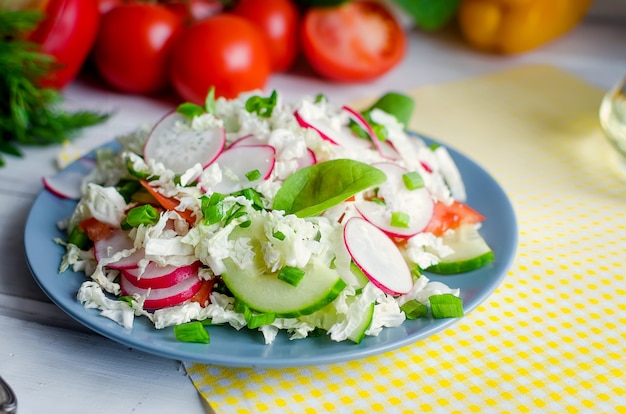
314	189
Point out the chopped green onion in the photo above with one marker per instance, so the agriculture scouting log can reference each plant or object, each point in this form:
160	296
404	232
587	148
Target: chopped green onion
253	175
262	106
209	102
320	97
279	235
446	306
414	309
252	195
244	309
78	238
142	175
260	319
192	332
126	299
190	110
212	208
127	188
400	219
145	214
378	201
245	224
291	275
234	212
413	180
433	146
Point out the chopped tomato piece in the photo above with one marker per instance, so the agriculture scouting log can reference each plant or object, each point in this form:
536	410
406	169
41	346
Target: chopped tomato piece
446	217
96	230
202	296
168	203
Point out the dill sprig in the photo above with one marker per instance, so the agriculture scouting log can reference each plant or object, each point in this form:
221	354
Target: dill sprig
30	113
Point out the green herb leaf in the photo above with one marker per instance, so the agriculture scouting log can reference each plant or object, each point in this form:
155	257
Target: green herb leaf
313	189
190	110
212	208
29	113
397	104
192	332
263	107
446	306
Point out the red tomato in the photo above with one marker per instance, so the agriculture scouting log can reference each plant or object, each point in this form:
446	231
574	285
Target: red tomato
67	33
224	51
193	10
133	45
356	41
106	5
96	230
450	217
278	20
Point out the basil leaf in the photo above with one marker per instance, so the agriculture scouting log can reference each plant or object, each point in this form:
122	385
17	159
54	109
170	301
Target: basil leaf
312	190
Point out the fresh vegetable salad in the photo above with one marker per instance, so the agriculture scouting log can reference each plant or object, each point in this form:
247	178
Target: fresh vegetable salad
305	217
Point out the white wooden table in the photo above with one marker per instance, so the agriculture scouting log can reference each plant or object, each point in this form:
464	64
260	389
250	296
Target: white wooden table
55	365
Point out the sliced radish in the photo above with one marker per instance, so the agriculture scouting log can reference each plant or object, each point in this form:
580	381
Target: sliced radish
249	139
117	241
238	161
377	256
155	276
358	118
164	297
173	143
417	204
68	183
308	159
342	136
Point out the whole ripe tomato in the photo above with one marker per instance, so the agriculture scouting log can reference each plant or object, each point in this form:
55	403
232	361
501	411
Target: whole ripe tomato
278	20
356	41
132	47
193	10
224	51
106	5
67	32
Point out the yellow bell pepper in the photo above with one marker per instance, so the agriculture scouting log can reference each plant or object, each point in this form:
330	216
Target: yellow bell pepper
515	26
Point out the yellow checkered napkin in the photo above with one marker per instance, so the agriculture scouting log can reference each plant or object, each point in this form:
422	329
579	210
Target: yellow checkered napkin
552	337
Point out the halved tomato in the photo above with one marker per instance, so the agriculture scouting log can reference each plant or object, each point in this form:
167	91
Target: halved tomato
449	217
355	41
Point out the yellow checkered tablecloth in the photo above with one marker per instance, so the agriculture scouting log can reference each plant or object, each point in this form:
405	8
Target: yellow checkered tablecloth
552	337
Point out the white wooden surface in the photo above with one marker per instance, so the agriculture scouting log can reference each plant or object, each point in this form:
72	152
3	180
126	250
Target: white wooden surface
54	365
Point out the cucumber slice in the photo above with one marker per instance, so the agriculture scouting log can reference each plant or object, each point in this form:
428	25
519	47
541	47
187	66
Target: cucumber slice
263	292
470	252
358	333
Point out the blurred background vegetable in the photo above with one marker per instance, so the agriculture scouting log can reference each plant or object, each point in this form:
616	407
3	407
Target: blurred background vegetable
515	26
29	112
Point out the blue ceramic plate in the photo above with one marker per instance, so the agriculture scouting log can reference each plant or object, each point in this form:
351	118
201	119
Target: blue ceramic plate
246	348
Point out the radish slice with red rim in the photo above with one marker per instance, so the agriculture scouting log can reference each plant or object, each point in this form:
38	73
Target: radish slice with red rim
377	256
417	204
155	276
118	240
164	297
342	136
239	165
362	122
174	143
68	183
248	140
